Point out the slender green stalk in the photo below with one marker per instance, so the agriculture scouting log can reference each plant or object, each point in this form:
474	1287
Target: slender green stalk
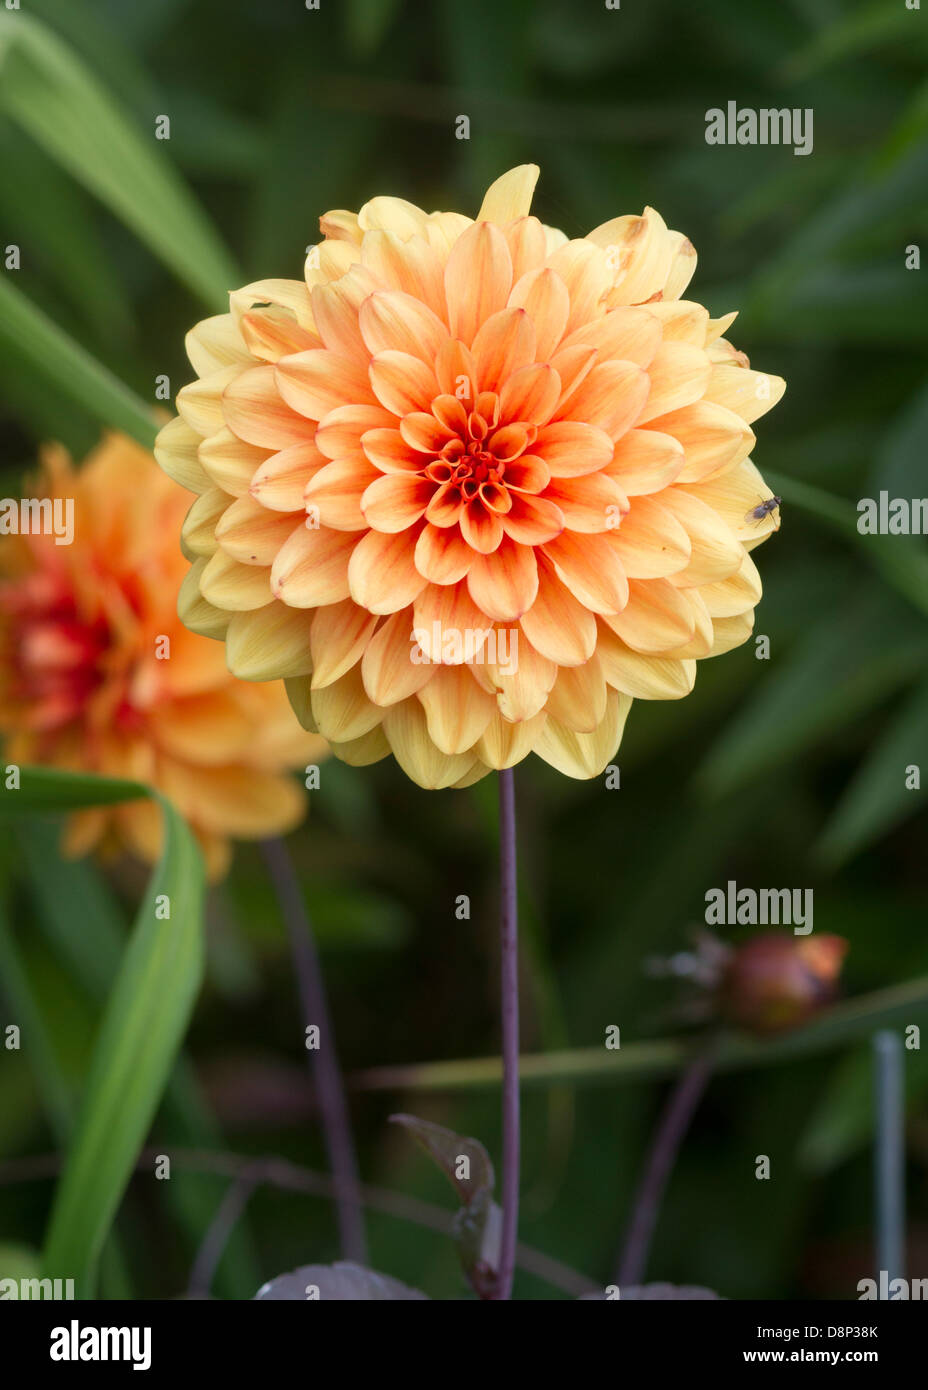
889	1168
509	992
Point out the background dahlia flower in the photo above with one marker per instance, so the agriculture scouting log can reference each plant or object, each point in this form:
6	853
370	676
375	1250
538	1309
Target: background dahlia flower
479	429
82	686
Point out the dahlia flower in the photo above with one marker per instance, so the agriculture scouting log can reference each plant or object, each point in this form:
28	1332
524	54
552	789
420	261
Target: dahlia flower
98	675
472	487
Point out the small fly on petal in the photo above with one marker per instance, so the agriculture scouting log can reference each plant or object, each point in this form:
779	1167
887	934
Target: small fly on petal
763	509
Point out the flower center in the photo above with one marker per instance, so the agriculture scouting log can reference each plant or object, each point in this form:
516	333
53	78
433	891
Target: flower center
56	655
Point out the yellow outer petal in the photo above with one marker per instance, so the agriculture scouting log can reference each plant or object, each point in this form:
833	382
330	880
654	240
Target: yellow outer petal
269	643
176	451
510	196
406	728
584	755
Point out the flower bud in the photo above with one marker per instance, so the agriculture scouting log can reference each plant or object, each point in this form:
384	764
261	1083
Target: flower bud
773	982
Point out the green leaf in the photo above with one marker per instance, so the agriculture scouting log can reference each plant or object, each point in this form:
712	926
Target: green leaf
143	1024
878	798
29	335
17	992
367	21
84	923
478	1223
842	1123
901	560
900	462
448	1149
54	227
822	686
53	96
845	37
18	1262
46	789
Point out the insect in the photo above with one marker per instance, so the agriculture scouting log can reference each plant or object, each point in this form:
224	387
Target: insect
765	508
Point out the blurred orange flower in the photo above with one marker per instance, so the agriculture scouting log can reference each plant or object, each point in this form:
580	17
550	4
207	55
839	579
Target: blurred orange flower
470	486
97	674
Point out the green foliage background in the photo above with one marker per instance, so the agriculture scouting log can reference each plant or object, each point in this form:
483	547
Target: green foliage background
787	772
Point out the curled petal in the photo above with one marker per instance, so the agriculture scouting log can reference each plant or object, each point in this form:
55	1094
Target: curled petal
504	584
592	569
315	382
589	503
546	298
571	448
584	755
382	574
503	344
749	394
280	481
231	463
340	434
642	677
176	450
558	625
714	439
715	551
679	376
390	667
269	643
406	727
457	710
646	461
402	382
250	533
394	321
533	520
394	502
611	397
442	554
311	568
651	542
657	617
334	494
478	278
338	639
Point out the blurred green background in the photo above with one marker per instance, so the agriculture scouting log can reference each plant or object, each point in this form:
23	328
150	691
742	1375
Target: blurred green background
783	773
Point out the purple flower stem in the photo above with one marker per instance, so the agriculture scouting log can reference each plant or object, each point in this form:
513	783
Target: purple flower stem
324	1061
671	1131
509	989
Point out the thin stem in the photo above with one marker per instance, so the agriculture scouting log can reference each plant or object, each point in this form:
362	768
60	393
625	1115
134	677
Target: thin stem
324	1060
288	1177
889	1177
509	989
220	1229
674	1123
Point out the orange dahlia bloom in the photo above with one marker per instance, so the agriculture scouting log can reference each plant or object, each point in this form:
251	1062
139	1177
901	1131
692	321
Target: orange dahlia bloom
471	487
98	675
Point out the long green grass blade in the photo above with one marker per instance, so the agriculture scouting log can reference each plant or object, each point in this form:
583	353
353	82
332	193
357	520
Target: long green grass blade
882	793
28	335
84	923
143	1024
51	94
